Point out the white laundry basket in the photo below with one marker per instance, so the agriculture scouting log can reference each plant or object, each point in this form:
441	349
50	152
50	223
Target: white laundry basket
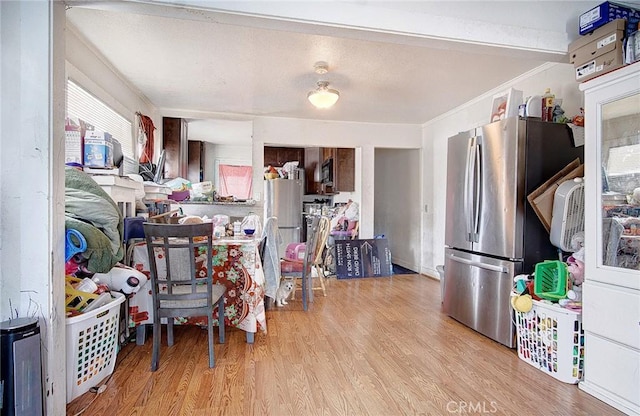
92	340
551	339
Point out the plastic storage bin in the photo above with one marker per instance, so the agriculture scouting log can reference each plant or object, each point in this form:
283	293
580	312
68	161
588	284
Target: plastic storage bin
550	280
551	339
92	340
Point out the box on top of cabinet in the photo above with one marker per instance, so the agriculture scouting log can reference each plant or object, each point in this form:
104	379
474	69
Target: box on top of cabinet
606	12
600	41
600	65
98	149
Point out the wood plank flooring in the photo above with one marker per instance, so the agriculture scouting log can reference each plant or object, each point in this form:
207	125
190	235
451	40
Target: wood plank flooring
375	346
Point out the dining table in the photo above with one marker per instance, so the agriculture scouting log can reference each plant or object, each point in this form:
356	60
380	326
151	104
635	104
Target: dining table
236	264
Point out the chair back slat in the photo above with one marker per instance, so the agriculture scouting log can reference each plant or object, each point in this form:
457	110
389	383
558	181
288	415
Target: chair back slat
175	270
183	287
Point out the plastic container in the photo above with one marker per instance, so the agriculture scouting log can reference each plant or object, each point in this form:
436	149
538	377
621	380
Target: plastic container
250	224
550	280
440	269
92	340
551	339
76	300
548	102
87	285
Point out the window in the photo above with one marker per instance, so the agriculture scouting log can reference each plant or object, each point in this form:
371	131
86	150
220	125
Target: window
235	181
84	106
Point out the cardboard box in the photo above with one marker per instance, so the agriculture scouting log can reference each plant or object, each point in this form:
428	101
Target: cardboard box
541	199
98	149
605	13
73	151
600	41
600	65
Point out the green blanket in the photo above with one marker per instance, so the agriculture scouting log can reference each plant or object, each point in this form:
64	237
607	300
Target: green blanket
91	211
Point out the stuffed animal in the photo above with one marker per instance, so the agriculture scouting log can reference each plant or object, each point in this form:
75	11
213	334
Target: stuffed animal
575	267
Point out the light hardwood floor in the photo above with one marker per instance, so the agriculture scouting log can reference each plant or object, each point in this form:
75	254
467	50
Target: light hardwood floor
375	346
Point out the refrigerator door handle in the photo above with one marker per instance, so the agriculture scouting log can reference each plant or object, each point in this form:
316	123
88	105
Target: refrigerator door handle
467	197
493	268
476	197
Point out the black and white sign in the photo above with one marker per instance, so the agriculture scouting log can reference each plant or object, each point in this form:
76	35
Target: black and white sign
363	258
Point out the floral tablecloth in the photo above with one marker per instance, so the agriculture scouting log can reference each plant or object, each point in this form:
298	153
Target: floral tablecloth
236	264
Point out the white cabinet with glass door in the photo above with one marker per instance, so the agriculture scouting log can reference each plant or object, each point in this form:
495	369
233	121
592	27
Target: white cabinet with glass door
611	291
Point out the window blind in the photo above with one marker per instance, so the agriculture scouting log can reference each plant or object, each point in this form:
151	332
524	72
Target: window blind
84	106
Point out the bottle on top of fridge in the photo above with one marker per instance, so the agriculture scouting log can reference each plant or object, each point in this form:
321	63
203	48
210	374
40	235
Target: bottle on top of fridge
548	102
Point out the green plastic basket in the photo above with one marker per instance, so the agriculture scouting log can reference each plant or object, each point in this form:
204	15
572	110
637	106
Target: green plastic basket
550	280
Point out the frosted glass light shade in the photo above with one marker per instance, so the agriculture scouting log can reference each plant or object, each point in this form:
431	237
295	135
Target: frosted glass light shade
323	97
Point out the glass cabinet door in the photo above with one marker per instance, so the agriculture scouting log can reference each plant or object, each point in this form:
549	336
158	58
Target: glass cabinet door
612	177
620	195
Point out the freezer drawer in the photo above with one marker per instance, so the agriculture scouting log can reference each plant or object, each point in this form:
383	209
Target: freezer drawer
477	293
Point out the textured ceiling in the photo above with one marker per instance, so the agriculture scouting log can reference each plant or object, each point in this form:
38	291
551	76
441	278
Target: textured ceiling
237	64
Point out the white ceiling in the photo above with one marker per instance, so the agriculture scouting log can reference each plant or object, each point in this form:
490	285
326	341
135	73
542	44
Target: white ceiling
393	62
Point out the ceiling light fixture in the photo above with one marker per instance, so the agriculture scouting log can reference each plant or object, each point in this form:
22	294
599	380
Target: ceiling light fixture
323	96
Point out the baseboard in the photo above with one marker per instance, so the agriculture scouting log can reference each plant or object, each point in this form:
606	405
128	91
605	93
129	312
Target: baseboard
405	264
432	273
609	398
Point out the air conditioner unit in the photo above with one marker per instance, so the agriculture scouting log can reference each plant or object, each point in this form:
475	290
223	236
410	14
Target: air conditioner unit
567	219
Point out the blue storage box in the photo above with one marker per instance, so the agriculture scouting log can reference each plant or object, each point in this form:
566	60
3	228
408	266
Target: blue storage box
607	12
98	149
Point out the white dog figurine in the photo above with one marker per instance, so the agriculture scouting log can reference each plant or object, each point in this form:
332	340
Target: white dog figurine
284	291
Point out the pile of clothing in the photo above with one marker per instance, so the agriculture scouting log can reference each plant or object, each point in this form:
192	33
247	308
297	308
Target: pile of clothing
91	211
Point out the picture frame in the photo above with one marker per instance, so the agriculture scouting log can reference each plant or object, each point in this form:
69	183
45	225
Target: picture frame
505	104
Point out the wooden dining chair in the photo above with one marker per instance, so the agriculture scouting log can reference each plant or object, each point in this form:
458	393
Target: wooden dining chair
324	228
180	286
304	273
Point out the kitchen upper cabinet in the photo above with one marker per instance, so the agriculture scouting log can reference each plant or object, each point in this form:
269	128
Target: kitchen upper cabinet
195	169
344	163
278	156
175	145
313	158
344	166
611	290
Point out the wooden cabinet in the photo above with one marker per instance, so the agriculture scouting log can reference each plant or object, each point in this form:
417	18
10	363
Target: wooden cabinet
278	156
195	169
328	153
175	144
344	167
611	290
313	158
344	162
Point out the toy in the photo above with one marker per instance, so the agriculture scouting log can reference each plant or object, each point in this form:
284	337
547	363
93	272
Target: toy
575	267
122	278
522	301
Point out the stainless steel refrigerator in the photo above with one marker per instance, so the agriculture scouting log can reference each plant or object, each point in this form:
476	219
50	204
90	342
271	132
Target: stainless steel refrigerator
283	199
492	234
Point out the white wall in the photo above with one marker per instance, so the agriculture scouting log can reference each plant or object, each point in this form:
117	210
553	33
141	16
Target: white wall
365	137
86	67
226	154
559	77
397	197
32	179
